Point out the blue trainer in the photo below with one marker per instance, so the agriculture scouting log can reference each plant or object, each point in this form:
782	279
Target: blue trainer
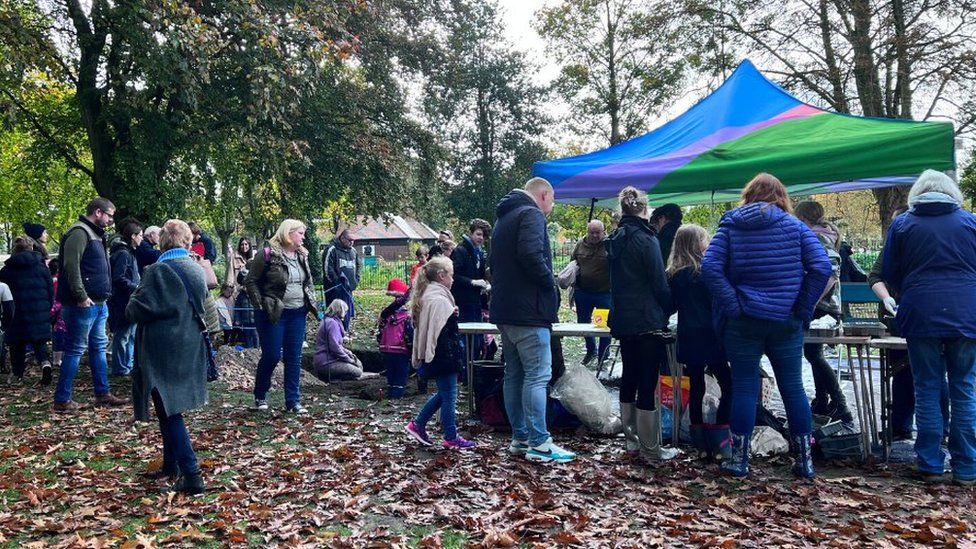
548	452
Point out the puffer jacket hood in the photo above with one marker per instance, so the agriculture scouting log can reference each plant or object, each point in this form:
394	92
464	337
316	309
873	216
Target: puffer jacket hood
23	260
757	215
117	245
516	198
929	209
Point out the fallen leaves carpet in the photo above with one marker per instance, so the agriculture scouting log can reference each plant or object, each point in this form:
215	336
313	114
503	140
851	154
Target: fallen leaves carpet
346	475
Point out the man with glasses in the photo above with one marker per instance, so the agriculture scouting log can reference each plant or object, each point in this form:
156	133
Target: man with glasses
84	284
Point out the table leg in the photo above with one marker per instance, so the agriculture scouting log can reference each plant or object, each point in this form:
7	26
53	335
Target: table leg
858	396
676	375
469	359
872	404
885	405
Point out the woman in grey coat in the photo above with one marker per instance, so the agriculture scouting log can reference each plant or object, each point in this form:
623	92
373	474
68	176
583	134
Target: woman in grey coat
171	357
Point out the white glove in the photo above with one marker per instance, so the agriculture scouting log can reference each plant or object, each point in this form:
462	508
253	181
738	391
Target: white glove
890	304
486	287
479	283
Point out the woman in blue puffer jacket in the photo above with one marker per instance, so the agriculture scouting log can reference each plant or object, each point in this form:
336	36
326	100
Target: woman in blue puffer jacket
766	271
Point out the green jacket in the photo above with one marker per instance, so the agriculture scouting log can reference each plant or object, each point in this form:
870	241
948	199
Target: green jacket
267	279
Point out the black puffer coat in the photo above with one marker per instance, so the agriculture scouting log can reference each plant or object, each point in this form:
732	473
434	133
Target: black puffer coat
523	286
33	291
639	289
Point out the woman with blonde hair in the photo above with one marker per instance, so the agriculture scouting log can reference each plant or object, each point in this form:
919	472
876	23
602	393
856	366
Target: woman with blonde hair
332	360
699	348
640	301
279	284
171	359
437	350
766	271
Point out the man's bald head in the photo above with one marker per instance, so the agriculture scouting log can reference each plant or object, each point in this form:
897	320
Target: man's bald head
541	191
595	231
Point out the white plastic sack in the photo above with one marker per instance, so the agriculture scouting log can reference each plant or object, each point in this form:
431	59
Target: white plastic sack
582	394
709	408
567	276
766	441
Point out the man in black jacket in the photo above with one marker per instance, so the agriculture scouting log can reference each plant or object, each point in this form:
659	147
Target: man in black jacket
524	303
84	284
341	270
469	276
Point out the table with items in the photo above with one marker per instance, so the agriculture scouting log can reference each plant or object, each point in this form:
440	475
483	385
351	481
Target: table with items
858	346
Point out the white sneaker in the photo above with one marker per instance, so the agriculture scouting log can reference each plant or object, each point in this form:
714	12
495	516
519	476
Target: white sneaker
260	404
518	447
548	452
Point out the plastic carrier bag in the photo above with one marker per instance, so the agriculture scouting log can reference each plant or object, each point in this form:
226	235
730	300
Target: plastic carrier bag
582	394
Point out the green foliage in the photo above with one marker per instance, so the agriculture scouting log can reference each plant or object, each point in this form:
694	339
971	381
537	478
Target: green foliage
706	215
572	219
36	184
620	62
967	181
483	101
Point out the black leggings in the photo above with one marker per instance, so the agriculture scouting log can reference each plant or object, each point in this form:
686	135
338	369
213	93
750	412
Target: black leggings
641	355
824	378
18	354
723	374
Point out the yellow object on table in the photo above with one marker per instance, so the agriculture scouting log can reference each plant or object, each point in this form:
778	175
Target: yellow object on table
599	318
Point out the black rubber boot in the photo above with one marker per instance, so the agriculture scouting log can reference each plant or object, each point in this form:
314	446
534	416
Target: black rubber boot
802	457
738	463
189	484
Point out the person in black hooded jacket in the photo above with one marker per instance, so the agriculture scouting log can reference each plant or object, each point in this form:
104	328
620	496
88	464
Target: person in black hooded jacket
33	291
125	280
640	304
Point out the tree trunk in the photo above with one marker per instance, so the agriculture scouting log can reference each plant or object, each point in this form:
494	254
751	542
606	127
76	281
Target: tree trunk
91	43
840	103
902	104
889	199
613	101
865	68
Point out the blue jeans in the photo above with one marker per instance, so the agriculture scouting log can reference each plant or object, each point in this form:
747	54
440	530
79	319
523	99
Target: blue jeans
445	401
123	349
746	341
282	339
903	397
528	369
85	330
585	303
397	371
932	359
177	448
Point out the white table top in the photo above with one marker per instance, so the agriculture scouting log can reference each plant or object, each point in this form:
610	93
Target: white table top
560	329
889	342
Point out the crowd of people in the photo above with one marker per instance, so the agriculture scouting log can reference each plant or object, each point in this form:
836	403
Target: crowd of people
748	291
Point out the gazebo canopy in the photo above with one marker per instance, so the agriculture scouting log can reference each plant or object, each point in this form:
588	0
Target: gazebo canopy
751	125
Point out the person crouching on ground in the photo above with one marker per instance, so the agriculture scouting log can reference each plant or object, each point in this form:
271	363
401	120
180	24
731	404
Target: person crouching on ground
170	353
698	345
396	338
437	350
640	299
332	360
